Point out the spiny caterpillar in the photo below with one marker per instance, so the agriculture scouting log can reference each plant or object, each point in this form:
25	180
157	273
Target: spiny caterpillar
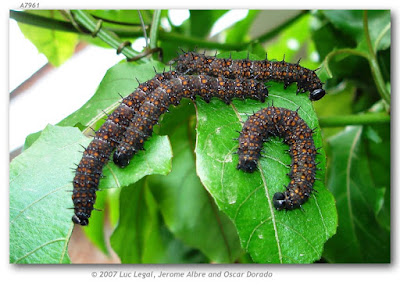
132	122
171	92
287	124
264	70
143	109
96	155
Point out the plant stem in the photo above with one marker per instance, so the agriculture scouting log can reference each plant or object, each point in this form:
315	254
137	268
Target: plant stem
154	29
90	23
353	119
48	23
42	22
199	42
375	69
143	28
342	51
155	24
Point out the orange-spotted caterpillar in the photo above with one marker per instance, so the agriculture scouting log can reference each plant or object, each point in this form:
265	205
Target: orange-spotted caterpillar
143	109
264	70
128	127
96	155
287	124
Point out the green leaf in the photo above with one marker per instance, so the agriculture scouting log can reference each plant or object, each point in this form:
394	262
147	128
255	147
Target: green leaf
292	42
327	38
201	21
351	23
239	32
140	236
379	153
269	236
113	203
188	210
55	45
30	139
359	238
136	234
45	170
125	16
156	160
40	223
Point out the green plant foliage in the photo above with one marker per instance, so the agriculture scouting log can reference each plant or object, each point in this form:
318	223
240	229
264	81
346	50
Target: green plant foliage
239	32
55	45
182	200
121	79
360	237
349	48
46	170
268	235
201	21
128	17
292	40
140	236
351	23
188	210
40	221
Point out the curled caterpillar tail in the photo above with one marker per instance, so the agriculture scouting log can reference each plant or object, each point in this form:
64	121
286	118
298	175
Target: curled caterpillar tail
286	124
264	70
170	93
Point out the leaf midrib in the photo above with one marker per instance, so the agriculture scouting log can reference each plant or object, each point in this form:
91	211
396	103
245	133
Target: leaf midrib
348	180
267	195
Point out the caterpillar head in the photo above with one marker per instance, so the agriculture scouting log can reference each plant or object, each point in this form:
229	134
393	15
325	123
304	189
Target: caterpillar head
80	219
317	94
279	201
121	159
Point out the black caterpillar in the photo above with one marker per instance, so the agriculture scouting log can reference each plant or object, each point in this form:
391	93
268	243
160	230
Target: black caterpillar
146	116
188	63
132	122
96	155
265	70
274	121
171	92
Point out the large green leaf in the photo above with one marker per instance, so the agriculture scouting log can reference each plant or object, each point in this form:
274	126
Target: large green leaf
137	238
39	178
360	237
188	210
156	160
55	45
140	236
351	23
379	153
269	236
40	223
